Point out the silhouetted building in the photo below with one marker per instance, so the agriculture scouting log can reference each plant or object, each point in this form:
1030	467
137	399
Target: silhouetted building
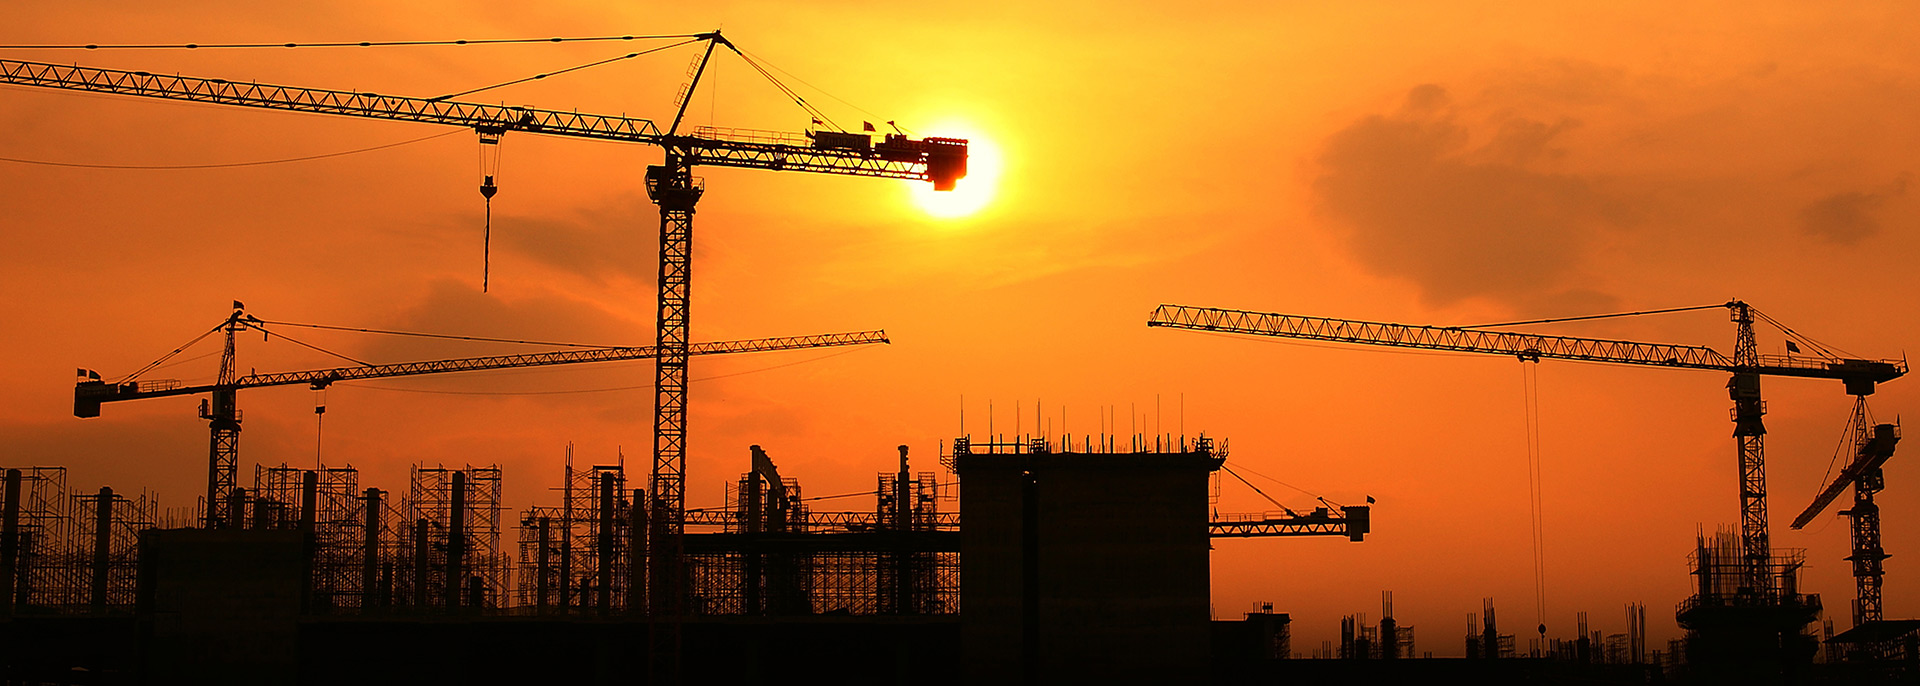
1083	567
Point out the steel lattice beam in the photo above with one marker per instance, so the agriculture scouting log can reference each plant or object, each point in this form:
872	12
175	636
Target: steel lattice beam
769	151
92	393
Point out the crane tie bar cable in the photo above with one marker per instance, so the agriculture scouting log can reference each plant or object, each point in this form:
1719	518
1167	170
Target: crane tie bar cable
342	44
481	339
1584	318
1256	489
356	384
224	165
310	346
537	77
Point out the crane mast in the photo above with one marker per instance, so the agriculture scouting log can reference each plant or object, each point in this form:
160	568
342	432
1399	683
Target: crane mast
1873	445
223	420
223	414
671	185
1750	434
1746	367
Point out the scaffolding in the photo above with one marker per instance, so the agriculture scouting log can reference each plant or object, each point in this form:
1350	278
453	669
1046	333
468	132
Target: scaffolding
73	553
1738	629
338	530
40	539
454	557
742	576
103	550
583	556
1484	640
772	555
909	582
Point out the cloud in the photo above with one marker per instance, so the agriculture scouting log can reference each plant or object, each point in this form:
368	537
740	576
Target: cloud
1850	217
1464	213
616	239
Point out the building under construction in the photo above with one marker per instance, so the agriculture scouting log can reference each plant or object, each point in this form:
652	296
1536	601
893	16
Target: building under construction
765	553
69	553
1744	626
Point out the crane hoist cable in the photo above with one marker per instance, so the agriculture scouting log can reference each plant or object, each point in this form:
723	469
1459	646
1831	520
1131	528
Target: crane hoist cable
489	172
490	138
1530	382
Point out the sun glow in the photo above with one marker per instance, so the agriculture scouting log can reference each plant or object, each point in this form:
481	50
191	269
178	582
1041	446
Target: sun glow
973	192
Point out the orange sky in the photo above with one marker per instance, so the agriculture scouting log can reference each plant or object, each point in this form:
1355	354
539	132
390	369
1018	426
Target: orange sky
1423	163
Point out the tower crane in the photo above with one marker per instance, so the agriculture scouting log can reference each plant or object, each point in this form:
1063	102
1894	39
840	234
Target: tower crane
671	185
223	414
1746	367
1872	447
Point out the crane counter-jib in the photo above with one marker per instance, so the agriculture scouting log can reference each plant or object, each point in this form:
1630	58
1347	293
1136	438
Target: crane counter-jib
89	393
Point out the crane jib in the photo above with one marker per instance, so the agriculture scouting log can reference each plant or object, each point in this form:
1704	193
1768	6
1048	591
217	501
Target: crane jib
939	160
90	393
1523	345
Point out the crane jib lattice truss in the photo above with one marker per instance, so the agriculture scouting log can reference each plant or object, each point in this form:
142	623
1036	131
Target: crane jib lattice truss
1746	366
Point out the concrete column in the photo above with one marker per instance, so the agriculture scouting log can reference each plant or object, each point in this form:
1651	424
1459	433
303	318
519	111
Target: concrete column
9	541
754	569
102	549
309	543
603	547
236	510
637	554
456	541
370	554
420	565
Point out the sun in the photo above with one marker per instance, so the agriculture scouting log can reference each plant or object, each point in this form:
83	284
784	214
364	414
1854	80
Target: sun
975	191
